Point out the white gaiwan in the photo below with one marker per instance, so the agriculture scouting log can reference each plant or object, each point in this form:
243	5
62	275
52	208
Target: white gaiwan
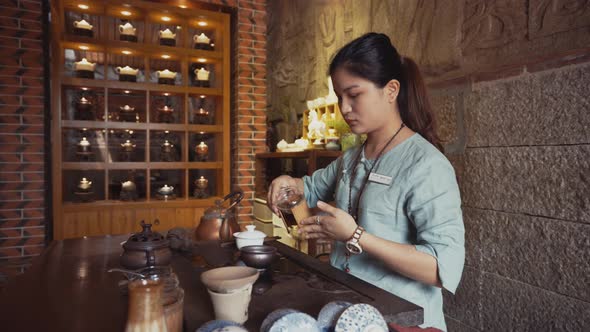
84	65
202	74
250	237
82	25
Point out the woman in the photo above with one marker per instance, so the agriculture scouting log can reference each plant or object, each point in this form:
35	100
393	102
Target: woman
397	221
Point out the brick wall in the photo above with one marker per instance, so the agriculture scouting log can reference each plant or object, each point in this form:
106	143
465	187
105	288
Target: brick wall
22	173
22	152
249	125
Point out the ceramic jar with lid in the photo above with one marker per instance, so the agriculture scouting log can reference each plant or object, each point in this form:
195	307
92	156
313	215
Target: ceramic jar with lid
202	151
146	248
202	182
83	105
145	313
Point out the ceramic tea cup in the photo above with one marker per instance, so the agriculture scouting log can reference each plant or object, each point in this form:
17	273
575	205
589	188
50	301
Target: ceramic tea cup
232	306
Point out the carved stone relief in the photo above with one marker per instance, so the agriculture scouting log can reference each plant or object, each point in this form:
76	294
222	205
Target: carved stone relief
425	30
449	39
491	24
551	16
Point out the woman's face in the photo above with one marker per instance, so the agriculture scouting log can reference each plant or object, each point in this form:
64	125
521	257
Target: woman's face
364	106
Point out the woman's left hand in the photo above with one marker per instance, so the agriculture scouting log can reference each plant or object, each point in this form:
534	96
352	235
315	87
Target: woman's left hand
336	224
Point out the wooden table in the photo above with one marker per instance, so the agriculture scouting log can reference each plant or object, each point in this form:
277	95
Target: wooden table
68	289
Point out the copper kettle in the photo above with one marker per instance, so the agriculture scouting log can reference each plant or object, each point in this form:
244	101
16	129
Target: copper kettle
220	223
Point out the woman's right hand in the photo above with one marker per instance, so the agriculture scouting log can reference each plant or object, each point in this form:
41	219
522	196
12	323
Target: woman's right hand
275	187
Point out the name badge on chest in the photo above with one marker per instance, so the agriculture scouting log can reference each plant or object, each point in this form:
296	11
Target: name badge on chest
379	178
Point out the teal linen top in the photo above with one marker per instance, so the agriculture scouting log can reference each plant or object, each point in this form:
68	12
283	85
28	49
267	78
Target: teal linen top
421	206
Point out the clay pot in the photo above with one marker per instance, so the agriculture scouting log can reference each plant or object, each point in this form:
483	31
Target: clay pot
146	248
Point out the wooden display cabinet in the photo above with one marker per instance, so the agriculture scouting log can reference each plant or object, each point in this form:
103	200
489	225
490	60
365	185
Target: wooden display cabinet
124	121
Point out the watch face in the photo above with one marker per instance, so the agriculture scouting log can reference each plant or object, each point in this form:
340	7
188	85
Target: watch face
353	248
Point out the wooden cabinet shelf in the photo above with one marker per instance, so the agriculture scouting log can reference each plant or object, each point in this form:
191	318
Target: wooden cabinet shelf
138	126
173	203
140	165
110	134
99	83
101	45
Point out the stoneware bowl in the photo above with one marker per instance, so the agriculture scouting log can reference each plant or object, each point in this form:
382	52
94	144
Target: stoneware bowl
230	278
258	256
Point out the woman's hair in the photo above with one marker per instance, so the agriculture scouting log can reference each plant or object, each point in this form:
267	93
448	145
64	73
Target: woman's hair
374	58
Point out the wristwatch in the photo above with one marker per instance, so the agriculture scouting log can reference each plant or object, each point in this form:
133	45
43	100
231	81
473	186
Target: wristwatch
352	245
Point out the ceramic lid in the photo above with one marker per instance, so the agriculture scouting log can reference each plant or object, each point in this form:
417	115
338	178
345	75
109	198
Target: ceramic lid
146	239
250	233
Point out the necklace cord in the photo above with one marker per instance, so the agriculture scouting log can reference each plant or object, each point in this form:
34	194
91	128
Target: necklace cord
366	179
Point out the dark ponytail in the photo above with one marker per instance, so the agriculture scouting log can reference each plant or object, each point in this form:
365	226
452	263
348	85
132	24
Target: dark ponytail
414	105
374	58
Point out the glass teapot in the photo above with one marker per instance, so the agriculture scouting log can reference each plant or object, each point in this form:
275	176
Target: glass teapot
219	223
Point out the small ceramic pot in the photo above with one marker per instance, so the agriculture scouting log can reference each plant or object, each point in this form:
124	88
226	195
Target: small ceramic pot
146	248
258	256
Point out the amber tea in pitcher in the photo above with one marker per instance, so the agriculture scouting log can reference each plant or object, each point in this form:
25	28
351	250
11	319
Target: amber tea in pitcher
292	206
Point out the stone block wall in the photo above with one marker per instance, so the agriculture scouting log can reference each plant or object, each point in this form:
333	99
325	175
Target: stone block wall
510	81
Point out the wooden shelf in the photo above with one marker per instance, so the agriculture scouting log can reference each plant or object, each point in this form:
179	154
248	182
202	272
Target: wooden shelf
107	94
106	46
173	203
112	84
141	126
141	165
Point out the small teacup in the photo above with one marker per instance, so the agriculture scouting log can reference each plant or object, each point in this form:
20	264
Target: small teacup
232	306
